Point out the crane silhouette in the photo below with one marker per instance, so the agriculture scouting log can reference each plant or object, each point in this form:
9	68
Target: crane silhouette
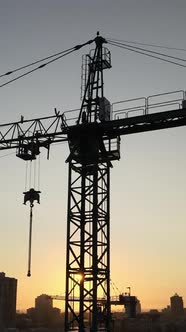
93	134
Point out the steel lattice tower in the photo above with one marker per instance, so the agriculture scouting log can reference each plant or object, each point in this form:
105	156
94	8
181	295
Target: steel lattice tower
88	220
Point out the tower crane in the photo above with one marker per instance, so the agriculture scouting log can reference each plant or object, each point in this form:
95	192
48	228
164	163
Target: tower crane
93	135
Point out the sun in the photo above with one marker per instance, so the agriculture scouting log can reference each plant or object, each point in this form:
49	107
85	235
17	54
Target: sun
79	277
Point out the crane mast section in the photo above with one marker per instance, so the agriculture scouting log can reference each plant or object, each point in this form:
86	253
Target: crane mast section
88	243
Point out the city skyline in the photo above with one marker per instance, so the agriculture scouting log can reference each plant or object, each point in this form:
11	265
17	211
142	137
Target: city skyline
176	303
59	303
147	185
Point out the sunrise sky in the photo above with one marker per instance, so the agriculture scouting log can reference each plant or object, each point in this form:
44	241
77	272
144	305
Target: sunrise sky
148	185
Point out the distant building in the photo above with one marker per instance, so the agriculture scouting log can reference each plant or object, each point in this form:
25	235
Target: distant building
43	302
138	307
166	310
8	294
44	314
177	307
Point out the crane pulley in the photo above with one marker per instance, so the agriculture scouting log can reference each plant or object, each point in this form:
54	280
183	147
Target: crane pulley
28	150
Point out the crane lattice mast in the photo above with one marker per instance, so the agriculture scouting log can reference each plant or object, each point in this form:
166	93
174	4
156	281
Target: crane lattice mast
88	221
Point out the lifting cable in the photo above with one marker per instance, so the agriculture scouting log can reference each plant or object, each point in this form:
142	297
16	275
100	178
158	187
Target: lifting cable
26	175
30	173
31	195
38	175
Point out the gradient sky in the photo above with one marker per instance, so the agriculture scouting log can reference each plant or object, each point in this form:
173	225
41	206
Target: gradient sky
148	185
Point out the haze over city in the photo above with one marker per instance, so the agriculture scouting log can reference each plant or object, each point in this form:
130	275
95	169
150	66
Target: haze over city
148	183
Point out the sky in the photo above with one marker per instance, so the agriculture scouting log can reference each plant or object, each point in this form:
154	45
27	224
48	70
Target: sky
148	209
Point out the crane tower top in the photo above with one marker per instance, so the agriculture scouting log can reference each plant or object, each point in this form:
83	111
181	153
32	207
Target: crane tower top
93	107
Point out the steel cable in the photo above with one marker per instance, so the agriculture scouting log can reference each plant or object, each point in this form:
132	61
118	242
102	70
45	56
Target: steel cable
149	55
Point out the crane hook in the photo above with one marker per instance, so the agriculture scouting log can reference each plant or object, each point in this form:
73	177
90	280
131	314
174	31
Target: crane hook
31	196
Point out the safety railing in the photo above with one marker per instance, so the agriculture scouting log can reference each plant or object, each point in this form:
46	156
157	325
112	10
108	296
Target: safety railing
139	106
132	107
71	116
165	102
142	106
